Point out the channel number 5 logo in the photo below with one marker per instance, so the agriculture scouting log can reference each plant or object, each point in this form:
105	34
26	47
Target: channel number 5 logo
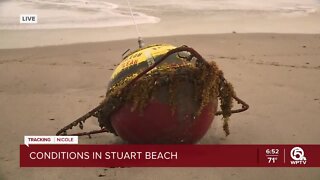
297	154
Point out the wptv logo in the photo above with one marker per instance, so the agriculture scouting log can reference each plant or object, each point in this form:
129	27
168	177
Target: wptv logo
297	154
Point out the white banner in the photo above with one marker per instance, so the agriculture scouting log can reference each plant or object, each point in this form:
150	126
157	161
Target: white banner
50	140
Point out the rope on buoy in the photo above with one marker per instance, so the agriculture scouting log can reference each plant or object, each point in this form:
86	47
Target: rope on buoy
218	86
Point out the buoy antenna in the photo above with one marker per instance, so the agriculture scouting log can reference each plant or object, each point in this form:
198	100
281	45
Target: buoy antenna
140	41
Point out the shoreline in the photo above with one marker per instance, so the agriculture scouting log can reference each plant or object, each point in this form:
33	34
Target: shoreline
15	45
170	25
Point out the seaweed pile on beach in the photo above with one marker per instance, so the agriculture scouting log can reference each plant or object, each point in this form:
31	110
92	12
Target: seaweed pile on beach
205	78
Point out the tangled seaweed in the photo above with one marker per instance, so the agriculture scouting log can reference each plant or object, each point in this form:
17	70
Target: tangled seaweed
208	84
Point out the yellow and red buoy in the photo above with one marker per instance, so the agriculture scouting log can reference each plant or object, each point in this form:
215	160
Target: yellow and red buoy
164	105
161	94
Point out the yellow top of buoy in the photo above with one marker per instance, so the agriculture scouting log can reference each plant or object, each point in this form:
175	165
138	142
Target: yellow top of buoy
147	54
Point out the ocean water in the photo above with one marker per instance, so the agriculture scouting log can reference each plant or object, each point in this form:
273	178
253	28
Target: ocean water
53	14
281	6
69	14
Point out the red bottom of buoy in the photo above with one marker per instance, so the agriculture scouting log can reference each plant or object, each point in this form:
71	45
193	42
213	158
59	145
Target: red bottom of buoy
158	125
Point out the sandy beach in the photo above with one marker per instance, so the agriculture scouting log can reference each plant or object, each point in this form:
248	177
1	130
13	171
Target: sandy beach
44	88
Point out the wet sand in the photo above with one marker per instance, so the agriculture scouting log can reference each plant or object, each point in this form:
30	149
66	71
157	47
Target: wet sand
44	88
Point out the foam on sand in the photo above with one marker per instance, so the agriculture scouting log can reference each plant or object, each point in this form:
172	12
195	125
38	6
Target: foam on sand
68	14
55	14
76	21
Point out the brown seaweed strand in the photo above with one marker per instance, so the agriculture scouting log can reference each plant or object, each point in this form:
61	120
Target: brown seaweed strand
225	95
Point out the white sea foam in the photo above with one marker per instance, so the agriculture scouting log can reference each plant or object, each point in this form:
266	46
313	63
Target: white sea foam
68	14
109	13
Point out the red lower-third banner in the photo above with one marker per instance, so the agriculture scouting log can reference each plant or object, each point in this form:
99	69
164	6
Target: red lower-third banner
170	156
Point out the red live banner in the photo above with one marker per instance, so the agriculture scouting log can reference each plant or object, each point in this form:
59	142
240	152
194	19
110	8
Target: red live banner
170	156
